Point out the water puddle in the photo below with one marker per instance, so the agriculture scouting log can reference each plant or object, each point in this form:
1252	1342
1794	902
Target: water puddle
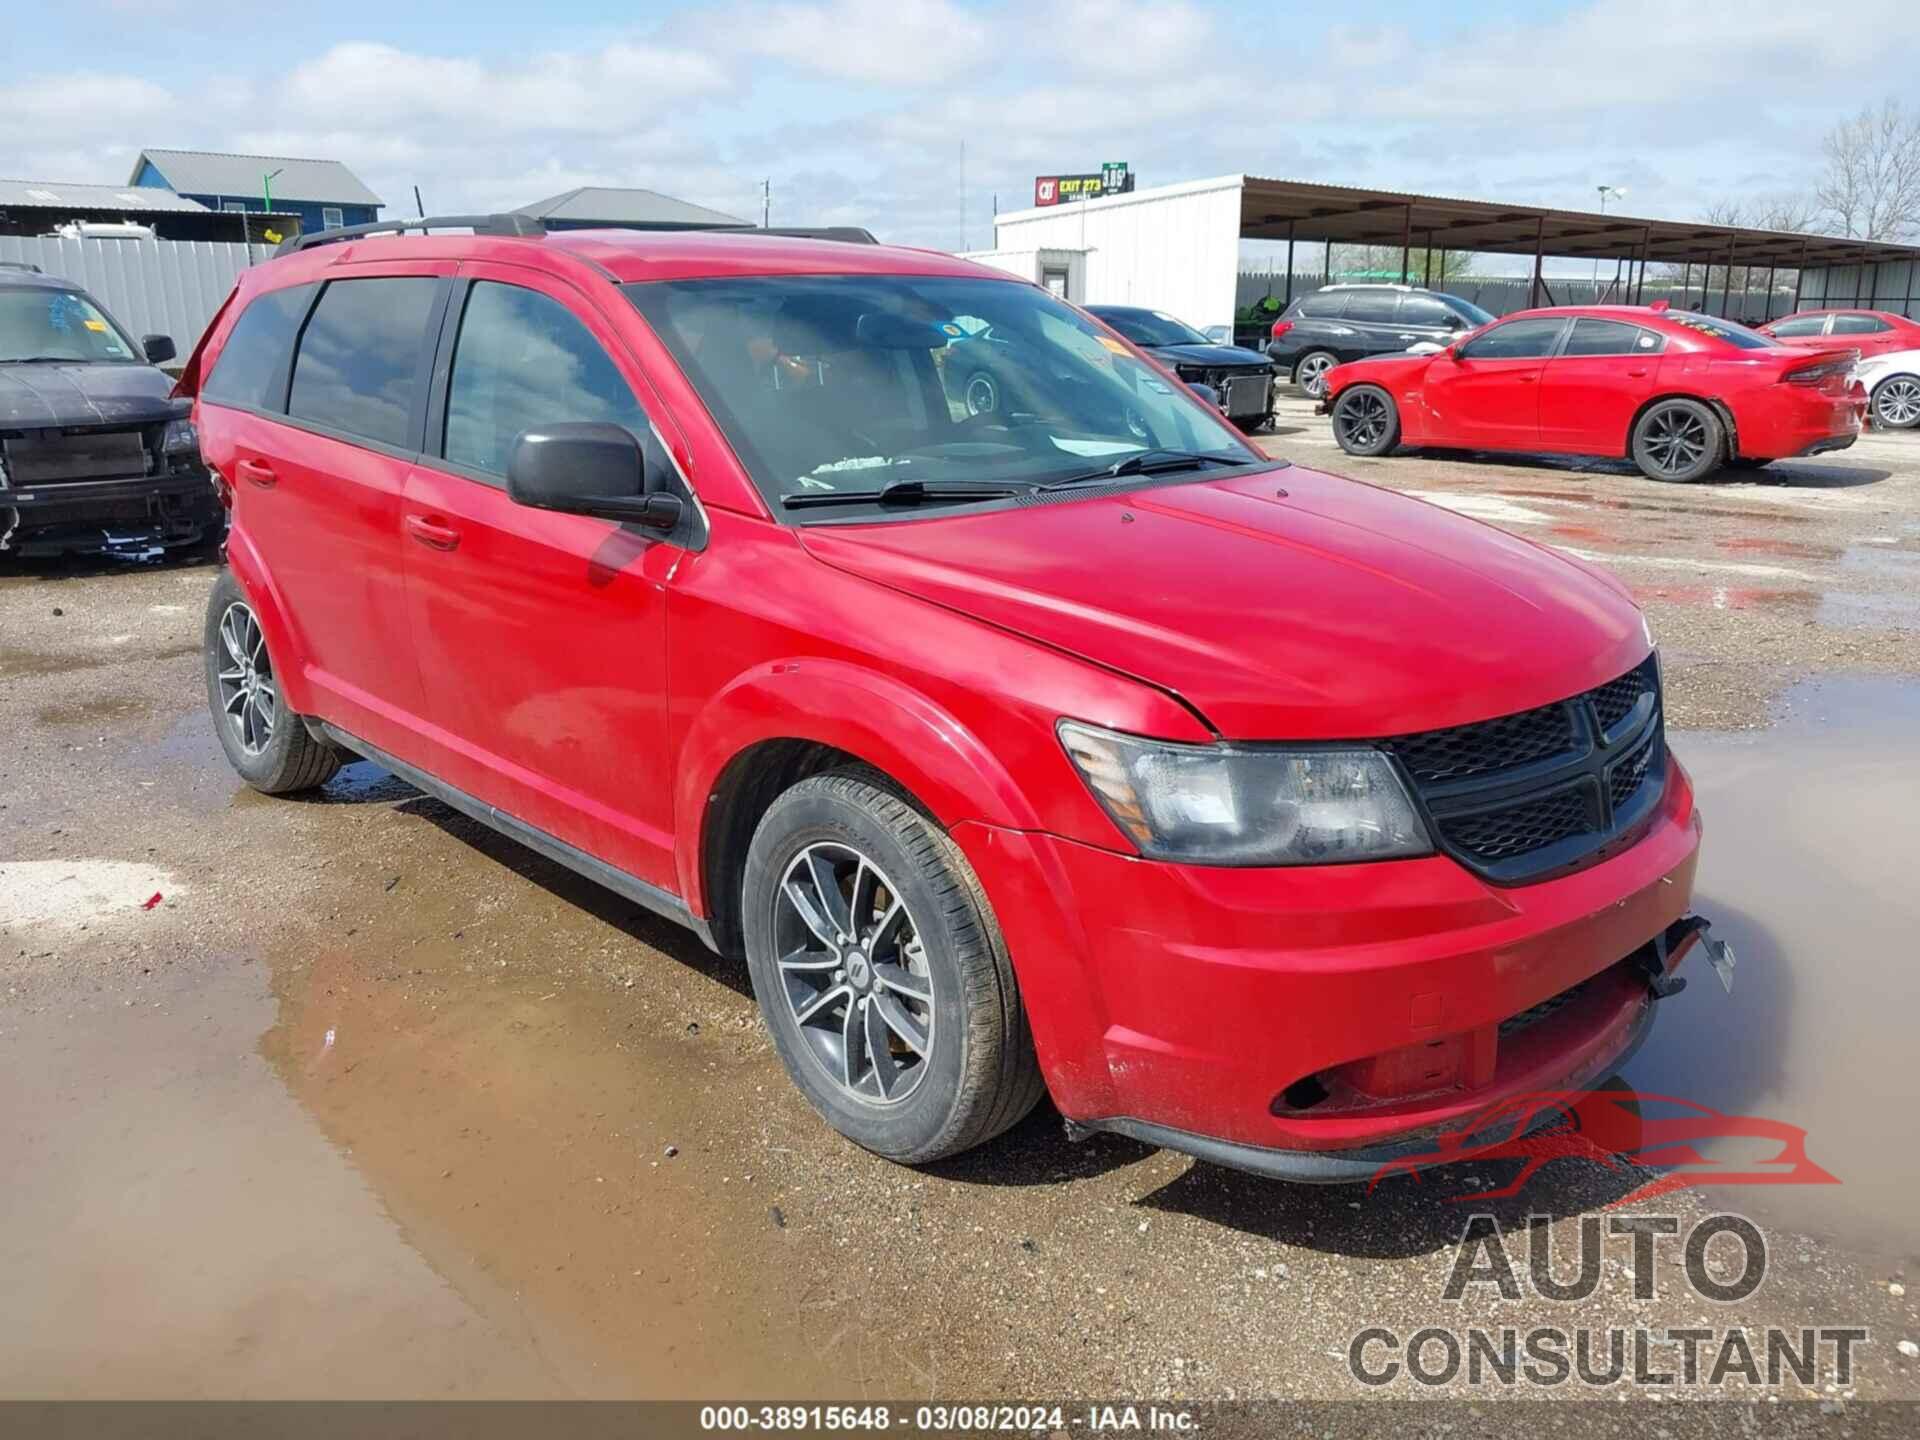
1807	868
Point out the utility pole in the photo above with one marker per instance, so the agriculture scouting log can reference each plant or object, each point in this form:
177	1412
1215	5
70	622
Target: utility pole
766	202
1607	192
418	203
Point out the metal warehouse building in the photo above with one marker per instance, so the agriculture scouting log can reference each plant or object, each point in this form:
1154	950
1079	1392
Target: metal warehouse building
1177	247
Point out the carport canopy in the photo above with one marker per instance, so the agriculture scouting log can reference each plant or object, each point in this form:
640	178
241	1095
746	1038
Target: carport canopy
1293	210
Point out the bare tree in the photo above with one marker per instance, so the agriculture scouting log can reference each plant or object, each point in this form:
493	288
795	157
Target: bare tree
1871	190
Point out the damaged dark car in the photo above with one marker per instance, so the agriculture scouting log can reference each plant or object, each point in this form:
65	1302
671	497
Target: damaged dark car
95	453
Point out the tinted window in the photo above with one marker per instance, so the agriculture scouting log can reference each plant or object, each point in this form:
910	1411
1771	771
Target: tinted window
1610	337
1426	311
523	362
1373	306
41	323
1151	327
1324	304
1475	316
1858	324
359	363
1728	331
1516	340
1802	325
252	364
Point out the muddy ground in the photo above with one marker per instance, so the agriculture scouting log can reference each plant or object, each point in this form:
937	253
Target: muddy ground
374	1103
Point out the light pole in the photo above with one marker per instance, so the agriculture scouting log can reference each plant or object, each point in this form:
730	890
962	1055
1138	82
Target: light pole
1606	192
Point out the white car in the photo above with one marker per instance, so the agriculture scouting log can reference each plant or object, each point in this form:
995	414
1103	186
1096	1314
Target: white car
1893	388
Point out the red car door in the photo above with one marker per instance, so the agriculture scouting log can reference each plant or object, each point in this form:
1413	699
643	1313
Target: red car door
541	636
1591	390
1485	392
1809	331
1869	334
318	492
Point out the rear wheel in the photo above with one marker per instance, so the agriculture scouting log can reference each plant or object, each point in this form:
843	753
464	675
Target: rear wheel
1896	403
1365	421
265	742
982	393
881	973
1678	440
1310	372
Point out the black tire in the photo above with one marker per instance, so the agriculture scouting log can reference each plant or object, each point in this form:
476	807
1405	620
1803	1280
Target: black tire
1679	440
281	756
1254	426
1896	403
1313	364
1366	421
979	1075
981	393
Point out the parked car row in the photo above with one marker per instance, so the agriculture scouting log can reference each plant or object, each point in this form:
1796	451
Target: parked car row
1680	394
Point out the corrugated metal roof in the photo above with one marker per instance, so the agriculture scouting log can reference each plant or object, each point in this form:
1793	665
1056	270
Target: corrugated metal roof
59	195
625	207
207	172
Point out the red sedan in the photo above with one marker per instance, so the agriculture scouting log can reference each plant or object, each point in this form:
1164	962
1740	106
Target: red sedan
1679	394
1871	332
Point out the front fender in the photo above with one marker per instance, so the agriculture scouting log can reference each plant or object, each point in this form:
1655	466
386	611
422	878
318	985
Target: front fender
849	707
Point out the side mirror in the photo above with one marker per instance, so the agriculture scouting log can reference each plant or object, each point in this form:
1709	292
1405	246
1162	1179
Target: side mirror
158	348
589	469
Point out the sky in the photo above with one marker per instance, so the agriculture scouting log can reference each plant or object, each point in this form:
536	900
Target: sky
911	116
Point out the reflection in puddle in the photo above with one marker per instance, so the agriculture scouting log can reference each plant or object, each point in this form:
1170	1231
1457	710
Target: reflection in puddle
1807	870
363	783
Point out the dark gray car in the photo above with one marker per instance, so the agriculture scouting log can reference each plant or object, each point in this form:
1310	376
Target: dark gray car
1338	323
95	453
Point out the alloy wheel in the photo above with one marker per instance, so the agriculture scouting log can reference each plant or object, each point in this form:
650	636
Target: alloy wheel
1310	374
1676	439
853	972
1362	419
1897	403
249	697
982	394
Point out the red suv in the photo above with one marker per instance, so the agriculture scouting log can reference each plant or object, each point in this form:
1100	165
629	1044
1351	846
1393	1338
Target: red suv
1072	746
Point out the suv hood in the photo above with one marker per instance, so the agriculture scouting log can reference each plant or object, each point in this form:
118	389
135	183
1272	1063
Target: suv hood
1282	605
1212	356
33	395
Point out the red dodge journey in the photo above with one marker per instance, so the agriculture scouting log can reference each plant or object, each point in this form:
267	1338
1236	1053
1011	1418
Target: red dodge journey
1030	736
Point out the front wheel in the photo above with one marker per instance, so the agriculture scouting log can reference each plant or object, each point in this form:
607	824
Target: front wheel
1679	440
1896	403
1365	421
881	973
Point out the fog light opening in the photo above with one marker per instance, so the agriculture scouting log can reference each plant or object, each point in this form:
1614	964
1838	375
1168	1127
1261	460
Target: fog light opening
1303	1094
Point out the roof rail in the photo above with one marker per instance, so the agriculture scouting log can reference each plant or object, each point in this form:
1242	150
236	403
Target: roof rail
21	265
508	224
513	223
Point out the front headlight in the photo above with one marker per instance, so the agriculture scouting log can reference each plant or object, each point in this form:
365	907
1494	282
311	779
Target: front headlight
1227	805
180	438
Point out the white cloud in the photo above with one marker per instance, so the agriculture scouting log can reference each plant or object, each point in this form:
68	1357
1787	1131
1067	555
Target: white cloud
895	43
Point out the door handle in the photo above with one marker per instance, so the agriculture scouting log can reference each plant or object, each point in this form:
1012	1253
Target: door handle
1526	379
1638	371
258	473
435	533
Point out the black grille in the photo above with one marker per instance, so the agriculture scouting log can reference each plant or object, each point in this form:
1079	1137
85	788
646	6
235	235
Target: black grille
1501	744
1535	793
1521	829
1534	1014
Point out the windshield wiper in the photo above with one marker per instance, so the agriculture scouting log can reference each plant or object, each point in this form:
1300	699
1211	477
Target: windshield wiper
1147	462
906	492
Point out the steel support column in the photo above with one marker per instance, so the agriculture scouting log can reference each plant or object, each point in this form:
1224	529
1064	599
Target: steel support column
1429	280
1799	278
1290	225
1726	286
1766	310
1539	240
1686	287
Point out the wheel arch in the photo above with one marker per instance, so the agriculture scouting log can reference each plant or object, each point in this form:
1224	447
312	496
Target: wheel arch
1722	412
785	721
250	573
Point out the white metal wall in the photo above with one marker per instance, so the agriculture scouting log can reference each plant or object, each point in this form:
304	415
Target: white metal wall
1893	286
152	287
1171	247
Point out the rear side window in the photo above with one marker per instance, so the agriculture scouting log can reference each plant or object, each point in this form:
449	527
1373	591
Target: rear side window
1324	304
1374	307
358	369
1859	325
1516	340
1425	310
1610	337
252	368
522	361
1801	325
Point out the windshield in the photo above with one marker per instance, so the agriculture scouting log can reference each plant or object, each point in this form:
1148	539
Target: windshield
41	323
1475	315
1725	330
848	383
1152	327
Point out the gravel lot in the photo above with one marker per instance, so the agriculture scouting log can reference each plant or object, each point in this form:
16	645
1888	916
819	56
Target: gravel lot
372	1102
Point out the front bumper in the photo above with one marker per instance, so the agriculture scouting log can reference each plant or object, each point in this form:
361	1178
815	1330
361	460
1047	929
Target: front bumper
136	516
1314	1022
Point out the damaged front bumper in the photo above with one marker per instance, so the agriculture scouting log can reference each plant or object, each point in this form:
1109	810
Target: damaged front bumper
136	518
